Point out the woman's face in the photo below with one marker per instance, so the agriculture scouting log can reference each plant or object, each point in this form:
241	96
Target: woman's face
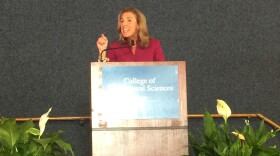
129	25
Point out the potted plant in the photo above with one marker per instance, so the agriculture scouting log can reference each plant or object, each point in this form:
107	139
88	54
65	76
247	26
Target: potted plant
26	140
221	141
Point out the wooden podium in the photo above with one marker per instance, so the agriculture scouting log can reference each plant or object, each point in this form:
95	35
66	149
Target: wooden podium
139	108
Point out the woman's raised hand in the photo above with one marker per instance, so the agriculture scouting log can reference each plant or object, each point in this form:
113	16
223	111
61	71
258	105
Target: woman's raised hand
102	43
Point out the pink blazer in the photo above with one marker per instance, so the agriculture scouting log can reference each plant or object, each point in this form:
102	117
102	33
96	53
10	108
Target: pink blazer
153	52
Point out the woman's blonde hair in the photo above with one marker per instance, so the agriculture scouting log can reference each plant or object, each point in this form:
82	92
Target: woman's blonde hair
142	34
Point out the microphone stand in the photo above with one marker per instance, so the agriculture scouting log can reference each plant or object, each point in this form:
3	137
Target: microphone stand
131	45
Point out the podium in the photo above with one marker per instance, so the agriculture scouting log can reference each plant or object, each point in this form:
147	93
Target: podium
139	108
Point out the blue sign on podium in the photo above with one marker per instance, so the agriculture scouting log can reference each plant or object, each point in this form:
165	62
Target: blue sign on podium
141	92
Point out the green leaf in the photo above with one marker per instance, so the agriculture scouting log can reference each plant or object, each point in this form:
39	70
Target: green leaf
224	135
9	133
250	135
26	126
2	120
53	134
264	137
220	152
23	129
246	150
28	148
44	142
234	148
64	145
34	131
261	130
209	124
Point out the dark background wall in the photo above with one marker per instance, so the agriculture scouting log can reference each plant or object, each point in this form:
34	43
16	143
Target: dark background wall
232	49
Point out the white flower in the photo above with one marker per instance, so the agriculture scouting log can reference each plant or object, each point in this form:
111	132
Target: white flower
42	123
247	122
223	109
240	136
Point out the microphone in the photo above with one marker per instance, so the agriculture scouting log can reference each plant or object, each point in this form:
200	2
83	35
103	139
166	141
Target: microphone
131	45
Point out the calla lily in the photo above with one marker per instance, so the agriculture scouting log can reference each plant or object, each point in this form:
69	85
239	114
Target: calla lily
240	136
42	123
223	109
